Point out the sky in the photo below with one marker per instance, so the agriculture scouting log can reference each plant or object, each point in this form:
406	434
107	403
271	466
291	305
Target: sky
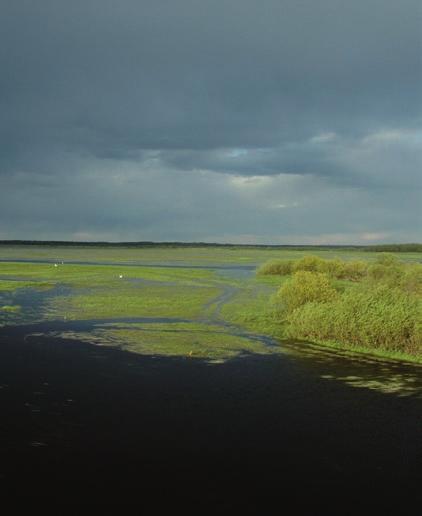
243	121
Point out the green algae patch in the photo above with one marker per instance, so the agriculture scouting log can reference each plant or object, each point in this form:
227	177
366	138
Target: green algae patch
10	308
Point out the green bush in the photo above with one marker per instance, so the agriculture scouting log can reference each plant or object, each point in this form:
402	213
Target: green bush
411	280
383	310
334	268
305	287
380	317
277	267
387	259
309	263
338	269
355	270
391	274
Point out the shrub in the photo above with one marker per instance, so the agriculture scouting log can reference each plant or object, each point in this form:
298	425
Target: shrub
355	270
334	268
309	263
387	259
384	310
390	274
305	287
411	280
277	267
380	317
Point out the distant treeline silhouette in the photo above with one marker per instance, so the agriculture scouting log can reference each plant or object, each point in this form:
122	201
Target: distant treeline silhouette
395	248
68	243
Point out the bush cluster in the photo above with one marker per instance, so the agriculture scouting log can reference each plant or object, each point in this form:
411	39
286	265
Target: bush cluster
306	287
276	267
381	317
339	269
383	311
386	268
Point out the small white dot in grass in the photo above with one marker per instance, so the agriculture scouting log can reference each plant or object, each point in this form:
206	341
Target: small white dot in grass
55	265
120	276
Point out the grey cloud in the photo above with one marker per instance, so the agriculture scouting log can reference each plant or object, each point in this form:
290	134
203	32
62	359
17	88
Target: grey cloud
183	96
112	78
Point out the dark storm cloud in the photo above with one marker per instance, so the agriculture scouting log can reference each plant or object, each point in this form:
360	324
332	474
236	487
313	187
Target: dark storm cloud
110	77
326	89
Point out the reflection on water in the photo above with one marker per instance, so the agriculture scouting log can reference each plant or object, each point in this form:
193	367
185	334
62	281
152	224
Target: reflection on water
358	370
353	369
33	303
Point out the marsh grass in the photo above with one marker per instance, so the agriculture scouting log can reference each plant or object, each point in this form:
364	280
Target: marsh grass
328	312
184	255
130	301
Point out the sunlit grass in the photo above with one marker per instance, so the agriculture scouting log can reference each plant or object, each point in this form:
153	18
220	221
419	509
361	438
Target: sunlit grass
147	301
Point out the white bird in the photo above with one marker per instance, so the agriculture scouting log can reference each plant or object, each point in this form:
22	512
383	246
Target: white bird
55	265
121	276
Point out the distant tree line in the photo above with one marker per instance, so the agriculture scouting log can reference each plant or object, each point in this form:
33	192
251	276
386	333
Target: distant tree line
395	248
171	244
403	248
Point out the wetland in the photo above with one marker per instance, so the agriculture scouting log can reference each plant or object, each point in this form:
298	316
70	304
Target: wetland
172	366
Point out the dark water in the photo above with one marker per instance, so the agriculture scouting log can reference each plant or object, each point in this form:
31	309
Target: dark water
79	420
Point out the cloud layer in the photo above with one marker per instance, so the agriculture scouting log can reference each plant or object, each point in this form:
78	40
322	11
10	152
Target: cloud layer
235	120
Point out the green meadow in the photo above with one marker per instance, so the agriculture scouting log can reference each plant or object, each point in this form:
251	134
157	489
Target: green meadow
218	303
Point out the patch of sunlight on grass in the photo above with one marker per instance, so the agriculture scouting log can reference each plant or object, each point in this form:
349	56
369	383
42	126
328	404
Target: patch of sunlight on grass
129	301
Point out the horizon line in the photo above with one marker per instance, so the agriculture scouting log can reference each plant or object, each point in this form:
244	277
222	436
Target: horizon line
190	243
